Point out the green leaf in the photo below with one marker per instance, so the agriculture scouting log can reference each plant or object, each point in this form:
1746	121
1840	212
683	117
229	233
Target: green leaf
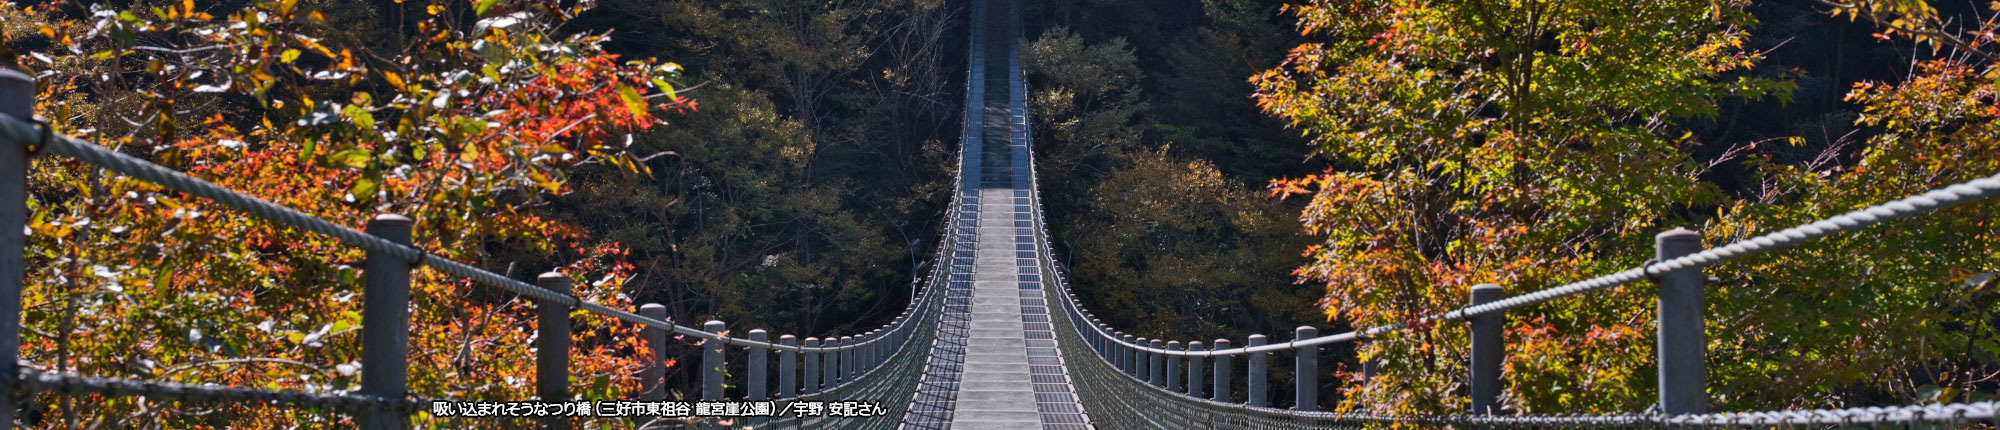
480	8
306	153
363	189
355	158
665	87
162	275
362	118
632	100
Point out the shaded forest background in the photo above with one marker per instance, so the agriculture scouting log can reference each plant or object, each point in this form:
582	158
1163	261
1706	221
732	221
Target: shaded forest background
806	189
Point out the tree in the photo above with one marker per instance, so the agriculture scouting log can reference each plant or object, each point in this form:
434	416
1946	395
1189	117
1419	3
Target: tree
1176	248
466	120
1163	243
1899	314
1526	144
1532	144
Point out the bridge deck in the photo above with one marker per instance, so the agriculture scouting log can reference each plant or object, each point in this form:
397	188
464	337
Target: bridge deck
995	364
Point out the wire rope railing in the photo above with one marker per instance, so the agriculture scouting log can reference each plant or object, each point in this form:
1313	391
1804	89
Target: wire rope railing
851	365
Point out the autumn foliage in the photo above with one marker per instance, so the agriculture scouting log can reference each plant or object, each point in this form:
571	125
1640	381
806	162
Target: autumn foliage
464	116
1531	144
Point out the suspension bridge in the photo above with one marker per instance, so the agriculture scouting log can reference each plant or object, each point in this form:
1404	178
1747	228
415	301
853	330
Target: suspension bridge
994	339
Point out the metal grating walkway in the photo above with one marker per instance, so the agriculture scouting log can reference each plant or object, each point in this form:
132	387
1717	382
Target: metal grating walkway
995	364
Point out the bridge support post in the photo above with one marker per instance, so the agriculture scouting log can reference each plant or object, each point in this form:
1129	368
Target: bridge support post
812	365
653	378
552	347
830	374
385	322
849	365
872	353
1158	365
1194	370
1305	377
1488	348
17	99
1125	354
1260	372
714	357
1097	342
1174	366
788	368
1141	361
1682	342
1222	372
757	387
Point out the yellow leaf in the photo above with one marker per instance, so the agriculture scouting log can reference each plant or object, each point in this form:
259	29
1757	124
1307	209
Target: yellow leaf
394	79
288	56
346	60
632	100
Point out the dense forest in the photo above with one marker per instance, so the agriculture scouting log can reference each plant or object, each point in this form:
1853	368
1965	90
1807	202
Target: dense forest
1212	169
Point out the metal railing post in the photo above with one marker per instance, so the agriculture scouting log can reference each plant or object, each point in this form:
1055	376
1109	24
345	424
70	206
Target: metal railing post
812	367
1682	344
653	378
830	361
1305	378
850	366
1259	373
714	358
17	99
1097	341
1123	357
788	368
1125	354
1194	370
869	353
1222	372
757	387
1488	348
1158	366
1142	361
552	347
1174	367
385	322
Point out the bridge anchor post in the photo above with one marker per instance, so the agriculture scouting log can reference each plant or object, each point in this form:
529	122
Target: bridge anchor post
714	354
830	373
756	387
1682	344
1157	366
385	323
848	359
1488	349
17	99
1125	354
552	347
653	378
1194	370
1260	372
1305	373
788	368
1222	372
812	366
